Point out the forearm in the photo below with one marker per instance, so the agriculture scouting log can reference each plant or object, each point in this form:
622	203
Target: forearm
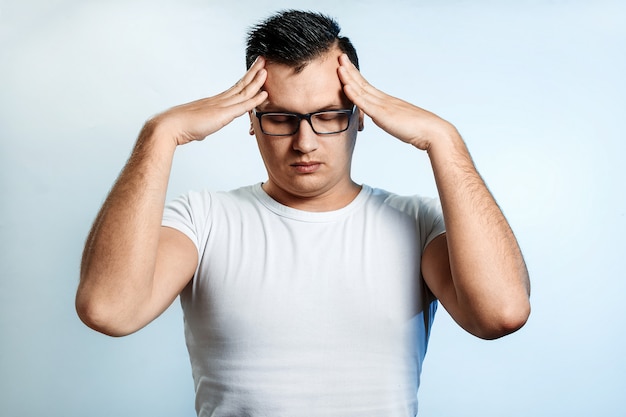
120	252
488	271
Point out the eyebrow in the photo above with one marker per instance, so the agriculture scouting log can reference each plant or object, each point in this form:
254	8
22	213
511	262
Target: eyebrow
279	109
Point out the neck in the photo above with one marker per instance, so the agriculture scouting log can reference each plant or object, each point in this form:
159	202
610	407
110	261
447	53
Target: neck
318	202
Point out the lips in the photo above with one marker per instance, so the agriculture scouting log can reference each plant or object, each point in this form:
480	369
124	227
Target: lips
306	167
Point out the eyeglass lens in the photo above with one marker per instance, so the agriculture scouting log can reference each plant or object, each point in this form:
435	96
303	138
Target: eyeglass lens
326	122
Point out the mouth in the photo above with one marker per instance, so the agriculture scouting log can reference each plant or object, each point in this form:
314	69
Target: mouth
306	167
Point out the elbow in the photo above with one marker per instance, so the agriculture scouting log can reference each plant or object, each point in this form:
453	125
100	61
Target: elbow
99	317
506	312
503	322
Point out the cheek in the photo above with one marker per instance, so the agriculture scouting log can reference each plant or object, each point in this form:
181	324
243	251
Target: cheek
350	143
271	151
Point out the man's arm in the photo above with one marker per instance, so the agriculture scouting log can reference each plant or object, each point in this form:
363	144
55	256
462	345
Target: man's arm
132	267
477	266
476	269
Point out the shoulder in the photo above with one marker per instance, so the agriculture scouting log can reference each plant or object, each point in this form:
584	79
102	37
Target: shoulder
413	205
424	213
204	200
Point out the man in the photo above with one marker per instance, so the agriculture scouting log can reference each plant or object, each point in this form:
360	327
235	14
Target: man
307	294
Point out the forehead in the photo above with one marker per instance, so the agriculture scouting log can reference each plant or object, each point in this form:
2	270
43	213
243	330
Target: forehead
316	87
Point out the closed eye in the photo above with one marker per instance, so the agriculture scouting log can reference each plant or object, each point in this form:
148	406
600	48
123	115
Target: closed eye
331	115
278	118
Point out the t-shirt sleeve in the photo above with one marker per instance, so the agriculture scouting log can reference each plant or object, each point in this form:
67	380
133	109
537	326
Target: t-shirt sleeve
187	214
431	225
426	211
430	218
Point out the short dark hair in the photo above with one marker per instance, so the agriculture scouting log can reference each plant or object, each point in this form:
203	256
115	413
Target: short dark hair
295	37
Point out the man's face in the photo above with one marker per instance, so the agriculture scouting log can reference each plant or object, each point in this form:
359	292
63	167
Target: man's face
306	167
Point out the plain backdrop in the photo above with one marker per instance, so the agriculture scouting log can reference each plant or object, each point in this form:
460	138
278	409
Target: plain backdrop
536	88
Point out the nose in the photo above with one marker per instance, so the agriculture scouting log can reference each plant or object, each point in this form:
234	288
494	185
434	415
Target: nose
305	139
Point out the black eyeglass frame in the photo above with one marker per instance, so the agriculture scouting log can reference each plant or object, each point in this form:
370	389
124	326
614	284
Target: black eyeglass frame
306	117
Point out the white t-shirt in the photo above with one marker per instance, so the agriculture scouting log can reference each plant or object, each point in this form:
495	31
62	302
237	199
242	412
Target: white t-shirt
295	313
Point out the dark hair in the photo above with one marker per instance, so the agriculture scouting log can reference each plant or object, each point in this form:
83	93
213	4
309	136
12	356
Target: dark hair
295	37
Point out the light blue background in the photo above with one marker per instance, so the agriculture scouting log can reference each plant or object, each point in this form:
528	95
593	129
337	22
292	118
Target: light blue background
536	87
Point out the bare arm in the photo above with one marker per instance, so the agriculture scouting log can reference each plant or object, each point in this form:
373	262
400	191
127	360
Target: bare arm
132	267
476	269
486	285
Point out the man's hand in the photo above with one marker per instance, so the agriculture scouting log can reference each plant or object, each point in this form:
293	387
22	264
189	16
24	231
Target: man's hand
201	118
399	118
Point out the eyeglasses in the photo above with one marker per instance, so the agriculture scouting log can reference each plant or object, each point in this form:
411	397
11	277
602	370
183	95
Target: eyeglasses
325	122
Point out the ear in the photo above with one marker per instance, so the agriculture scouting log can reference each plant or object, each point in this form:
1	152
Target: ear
251	131
361	120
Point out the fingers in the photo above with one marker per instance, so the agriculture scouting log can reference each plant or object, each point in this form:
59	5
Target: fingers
258	65
348	73
356	88
249	96
200	118
252	89
252	81
244	95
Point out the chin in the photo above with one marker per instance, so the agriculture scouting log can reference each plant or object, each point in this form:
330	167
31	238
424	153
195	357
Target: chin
305	188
